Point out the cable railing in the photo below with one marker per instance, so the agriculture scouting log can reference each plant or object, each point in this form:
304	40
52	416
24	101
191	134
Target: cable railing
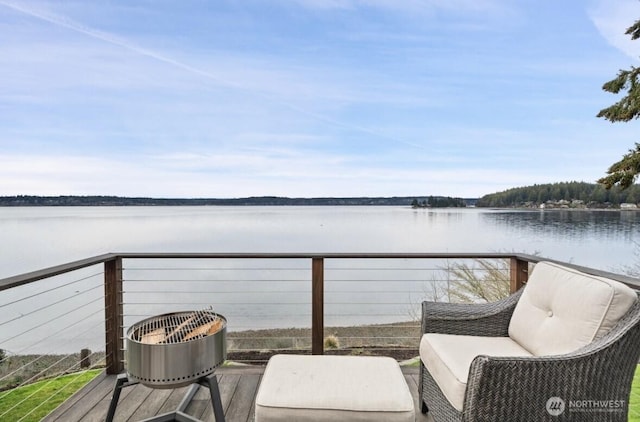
65	315
274	303
48	329
258	297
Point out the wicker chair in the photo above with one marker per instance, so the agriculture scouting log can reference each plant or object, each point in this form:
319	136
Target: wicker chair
592	382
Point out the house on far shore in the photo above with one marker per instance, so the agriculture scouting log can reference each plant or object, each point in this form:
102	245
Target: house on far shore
627	206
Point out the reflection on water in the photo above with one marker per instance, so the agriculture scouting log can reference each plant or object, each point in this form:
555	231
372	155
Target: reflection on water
623	225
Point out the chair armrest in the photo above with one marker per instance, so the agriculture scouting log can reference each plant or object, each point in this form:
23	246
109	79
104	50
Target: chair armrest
482	319
518	388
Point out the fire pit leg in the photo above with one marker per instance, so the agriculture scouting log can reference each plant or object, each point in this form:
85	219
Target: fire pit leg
186	400
121	380
216	400
211	382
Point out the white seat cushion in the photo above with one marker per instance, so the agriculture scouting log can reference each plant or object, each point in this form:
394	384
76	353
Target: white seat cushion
345	388
562	309
448	358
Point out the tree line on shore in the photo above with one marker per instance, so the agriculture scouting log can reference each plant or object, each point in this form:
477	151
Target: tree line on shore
587	195
439	202
70	201
575	194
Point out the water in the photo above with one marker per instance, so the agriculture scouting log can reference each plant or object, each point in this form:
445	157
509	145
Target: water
35	238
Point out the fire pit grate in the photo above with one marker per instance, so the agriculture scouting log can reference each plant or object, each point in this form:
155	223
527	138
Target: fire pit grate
176	327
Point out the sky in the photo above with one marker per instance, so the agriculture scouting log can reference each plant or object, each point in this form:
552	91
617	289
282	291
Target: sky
308	98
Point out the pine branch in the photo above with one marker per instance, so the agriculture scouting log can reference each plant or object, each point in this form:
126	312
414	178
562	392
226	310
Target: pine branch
628	107
625	171
634	30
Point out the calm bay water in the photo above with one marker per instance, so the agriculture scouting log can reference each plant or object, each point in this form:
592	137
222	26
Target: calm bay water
35	238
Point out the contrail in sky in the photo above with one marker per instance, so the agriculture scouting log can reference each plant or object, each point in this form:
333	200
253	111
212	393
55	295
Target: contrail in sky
111	39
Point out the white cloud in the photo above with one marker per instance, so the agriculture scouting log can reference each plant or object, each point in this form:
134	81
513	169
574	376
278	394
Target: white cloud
612	18
265	172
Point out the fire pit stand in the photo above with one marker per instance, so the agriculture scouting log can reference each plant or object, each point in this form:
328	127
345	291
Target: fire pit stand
179	414
175	350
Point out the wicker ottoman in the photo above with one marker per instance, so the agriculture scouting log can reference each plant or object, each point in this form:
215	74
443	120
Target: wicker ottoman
333	388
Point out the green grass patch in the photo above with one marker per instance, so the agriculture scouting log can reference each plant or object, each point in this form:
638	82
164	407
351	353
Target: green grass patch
634	400
33	402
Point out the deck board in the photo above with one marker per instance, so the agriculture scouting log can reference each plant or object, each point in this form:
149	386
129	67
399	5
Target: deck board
84	401
135	399
238	389
152	405
242	398
227	384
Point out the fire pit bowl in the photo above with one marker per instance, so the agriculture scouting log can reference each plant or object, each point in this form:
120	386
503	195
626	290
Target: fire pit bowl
175	349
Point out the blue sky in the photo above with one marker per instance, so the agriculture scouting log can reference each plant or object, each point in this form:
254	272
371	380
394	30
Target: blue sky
233	98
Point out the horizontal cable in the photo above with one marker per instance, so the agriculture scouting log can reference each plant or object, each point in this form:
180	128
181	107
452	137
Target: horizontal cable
50	290
57	332
218	292
378	280
250	280
407	324
255	315
384	269
42	356
374	337
370	291
367	303
269	338
216	269
51	320
226	303
53	303
444	268
279	348
367	315
134	292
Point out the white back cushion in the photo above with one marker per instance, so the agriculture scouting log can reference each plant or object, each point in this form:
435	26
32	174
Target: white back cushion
562	309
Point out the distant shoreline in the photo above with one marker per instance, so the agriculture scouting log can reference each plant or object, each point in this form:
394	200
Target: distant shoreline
415	202
114	201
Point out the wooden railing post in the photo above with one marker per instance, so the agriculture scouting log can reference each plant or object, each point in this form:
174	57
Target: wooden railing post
113	315
519	274
317	306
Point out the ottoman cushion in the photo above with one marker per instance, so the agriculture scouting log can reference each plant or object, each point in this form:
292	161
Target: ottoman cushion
345	388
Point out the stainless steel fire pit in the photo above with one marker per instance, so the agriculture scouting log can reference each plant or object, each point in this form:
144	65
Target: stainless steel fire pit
172	350
176	349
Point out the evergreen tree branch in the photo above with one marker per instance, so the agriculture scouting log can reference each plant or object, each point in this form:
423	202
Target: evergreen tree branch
624	172
634	30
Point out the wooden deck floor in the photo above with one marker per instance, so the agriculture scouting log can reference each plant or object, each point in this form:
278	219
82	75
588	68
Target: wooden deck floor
238	387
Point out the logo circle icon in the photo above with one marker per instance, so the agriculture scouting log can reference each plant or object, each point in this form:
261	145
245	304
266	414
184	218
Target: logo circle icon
555	406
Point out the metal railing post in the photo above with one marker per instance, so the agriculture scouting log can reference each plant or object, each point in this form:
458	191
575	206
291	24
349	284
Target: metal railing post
113	315
519	274
317	306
